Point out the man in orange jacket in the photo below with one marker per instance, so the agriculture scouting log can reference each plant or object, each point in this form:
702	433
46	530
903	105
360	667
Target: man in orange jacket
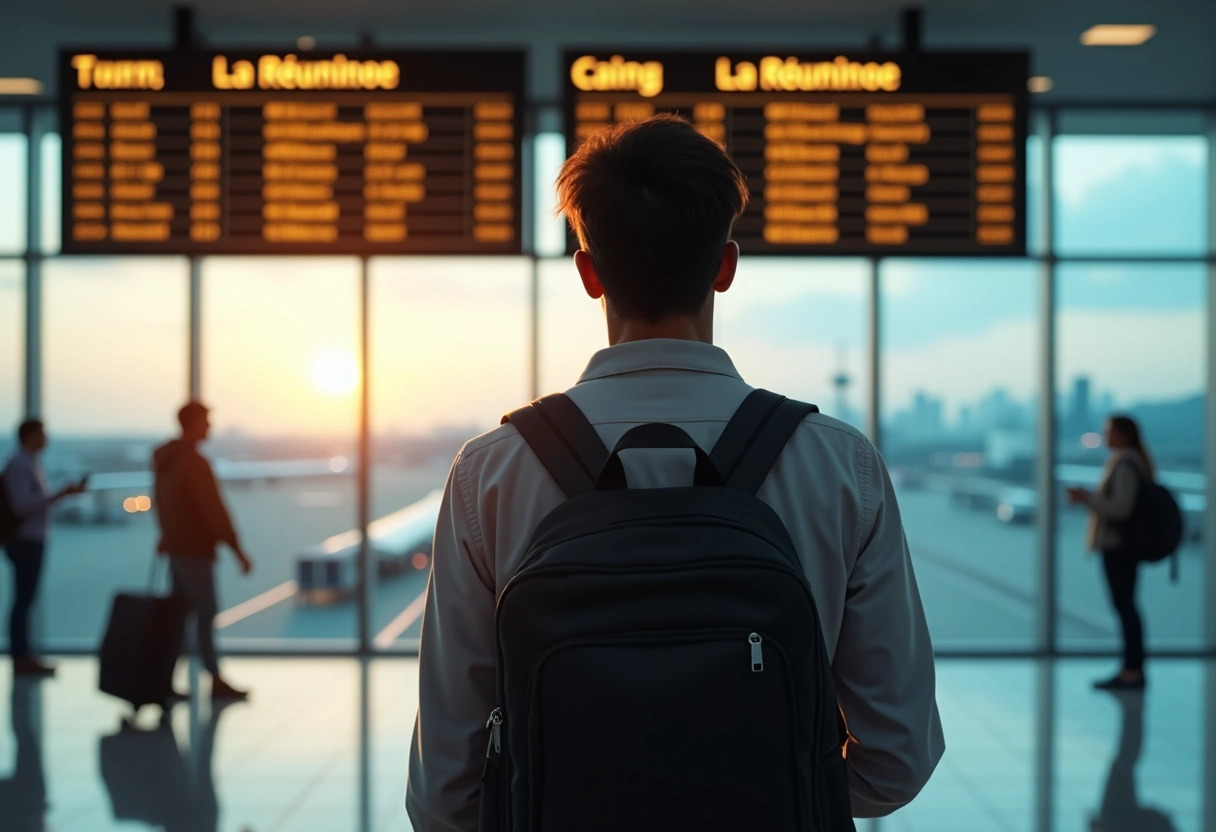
193	520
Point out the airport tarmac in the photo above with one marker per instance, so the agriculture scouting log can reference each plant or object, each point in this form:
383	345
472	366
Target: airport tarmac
977	575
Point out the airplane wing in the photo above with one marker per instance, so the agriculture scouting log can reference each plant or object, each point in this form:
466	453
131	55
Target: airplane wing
112	495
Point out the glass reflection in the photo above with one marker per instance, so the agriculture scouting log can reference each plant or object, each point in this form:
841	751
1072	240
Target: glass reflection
1130	339
1122	810
23	802
149	779
322	748
1130	194
959	434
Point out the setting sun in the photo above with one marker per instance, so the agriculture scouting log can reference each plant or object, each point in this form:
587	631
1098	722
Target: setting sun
335	373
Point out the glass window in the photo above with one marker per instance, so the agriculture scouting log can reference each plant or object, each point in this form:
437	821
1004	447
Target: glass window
550	230
450	355
1035	193
571	326
1130	194
52	193
12	192
12	350
281	371
1131	339
114	373
798	327
958	413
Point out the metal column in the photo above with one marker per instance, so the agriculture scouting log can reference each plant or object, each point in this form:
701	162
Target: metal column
33	264
363	473
874	422
195	370
529	228
534	332
1208	769
1044	744
365	746
1209	528
1045	470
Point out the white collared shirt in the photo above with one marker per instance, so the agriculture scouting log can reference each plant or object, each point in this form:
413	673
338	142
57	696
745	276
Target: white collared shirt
829	487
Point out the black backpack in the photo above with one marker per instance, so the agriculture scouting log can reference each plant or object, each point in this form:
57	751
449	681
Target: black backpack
9	521
660	660
1154	530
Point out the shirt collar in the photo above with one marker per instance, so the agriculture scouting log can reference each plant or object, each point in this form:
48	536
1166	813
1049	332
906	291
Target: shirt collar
659	354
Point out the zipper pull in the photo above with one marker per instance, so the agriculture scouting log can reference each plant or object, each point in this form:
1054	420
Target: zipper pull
757	652
494	723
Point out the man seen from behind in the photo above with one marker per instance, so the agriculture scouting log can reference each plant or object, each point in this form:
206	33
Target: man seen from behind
653	205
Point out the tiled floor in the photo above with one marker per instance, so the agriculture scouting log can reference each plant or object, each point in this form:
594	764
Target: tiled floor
323	743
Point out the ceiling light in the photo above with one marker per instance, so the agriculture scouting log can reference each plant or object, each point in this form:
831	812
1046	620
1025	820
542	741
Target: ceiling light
306	43
20	86
1040	83
1118	34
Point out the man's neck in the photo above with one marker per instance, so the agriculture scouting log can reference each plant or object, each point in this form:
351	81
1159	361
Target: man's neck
698	327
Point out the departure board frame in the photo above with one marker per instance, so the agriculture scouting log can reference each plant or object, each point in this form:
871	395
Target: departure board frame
386	152
806	116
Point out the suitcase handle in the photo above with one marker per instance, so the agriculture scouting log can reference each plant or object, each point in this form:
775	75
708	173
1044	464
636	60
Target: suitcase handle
152	572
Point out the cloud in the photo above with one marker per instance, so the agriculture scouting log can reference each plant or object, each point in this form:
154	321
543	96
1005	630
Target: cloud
1138	355
1085	164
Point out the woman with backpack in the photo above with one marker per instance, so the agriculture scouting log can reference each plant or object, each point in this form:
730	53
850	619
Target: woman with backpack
1111	506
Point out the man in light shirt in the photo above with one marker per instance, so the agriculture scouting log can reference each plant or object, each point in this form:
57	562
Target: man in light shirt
29	501
653	205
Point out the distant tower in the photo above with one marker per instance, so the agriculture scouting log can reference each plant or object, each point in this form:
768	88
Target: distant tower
1079	410
841	382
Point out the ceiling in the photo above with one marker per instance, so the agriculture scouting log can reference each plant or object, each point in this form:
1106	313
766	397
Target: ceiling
1176	66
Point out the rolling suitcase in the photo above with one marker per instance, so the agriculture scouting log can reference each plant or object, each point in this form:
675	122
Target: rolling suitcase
141	645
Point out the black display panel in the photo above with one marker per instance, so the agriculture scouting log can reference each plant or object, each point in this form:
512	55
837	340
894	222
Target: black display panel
272	152
844	153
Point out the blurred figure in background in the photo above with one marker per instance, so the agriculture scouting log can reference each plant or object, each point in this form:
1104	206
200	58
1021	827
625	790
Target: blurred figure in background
193	521
26	512
1110	506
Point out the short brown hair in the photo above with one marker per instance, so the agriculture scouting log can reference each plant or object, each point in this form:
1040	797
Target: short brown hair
653	203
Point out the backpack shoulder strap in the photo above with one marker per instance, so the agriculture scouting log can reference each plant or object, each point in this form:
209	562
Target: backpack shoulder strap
564	441
755	438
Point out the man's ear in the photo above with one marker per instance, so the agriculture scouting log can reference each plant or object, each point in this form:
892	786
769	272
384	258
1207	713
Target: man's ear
726	272
588	274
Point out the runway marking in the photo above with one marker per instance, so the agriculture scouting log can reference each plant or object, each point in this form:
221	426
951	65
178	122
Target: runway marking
256	604
401	623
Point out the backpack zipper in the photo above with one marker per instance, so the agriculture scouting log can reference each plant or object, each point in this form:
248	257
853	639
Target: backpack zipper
494	723
756	641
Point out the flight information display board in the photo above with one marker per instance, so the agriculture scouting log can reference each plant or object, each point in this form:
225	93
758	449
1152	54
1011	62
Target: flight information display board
851	154
265	152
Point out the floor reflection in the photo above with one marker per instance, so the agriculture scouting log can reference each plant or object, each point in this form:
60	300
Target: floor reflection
1121	807
150	780
23	802
323	746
